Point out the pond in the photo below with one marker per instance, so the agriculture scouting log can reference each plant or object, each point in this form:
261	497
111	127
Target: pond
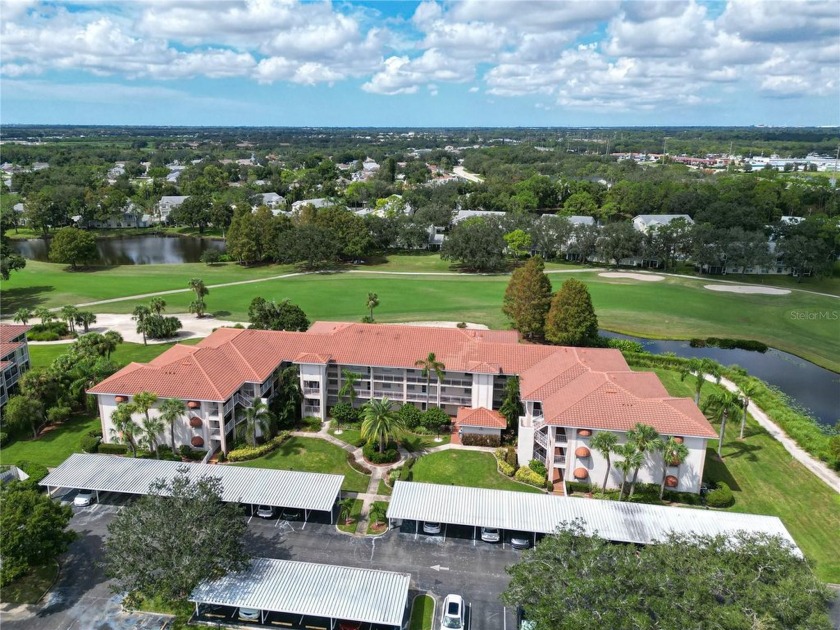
811	386
133	250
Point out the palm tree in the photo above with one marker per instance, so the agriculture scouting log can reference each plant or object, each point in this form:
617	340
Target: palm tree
377	513
699	368
345	507
23	315
45	315
372	303
673	454
112	340
748	391
150	428
170	410
645	438
719	406
139	315
430	364
348	386
380	423
633	459
604	442
157	305
68	314
143	401
125	428
255	416
86	318
197	306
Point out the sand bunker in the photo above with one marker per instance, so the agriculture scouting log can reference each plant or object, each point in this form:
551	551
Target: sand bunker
736	288
644	277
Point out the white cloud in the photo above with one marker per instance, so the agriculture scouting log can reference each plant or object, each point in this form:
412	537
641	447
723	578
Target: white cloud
789	21
403	75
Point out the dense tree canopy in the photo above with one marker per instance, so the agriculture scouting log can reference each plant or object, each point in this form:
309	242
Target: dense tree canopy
571	319
72	245
578	582
528	298
273	316
476	244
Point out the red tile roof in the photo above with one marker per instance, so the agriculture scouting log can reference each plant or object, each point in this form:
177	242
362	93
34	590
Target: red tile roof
480	417
581	387
9	332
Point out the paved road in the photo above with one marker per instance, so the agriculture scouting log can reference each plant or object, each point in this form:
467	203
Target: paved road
81	600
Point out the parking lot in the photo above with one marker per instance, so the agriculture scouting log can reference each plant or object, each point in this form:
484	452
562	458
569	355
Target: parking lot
447	563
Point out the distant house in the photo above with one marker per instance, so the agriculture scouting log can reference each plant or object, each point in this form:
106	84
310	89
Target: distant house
130	217
14	357
20	217
315	203
644	222
271	200
463	215
168	203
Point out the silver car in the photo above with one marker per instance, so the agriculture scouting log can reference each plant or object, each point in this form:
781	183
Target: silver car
520	541
490	534
249	614
84	498
265	511
431	528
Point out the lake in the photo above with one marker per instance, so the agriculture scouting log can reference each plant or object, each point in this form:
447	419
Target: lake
811	386
133	250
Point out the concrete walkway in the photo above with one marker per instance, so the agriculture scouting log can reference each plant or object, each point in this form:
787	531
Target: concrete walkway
819	468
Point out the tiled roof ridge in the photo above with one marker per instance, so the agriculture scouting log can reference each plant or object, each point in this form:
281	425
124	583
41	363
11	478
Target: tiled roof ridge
206	375
231	343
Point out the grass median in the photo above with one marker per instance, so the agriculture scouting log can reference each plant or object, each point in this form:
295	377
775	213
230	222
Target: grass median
457	467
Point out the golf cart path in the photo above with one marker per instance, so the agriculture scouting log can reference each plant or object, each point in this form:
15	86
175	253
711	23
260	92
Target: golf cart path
810	462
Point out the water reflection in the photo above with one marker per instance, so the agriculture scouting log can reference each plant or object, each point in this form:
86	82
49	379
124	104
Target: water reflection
134	250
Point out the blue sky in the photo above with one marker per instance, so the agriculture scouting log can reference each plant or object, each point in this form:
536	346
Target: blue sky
465	63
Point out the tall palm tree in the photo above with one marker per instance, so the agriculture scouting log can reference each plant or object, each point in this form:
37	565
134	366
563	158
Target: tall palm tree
428	365
171	410
197	306
23	315
633	459
371	303
112	340
45	315
645	438
255	416
150	428
699	369
380	423
139	315
377	513
348	386
125	428
748	391
605	442
673	454
143	401
157	305
719	407
68	314
85	319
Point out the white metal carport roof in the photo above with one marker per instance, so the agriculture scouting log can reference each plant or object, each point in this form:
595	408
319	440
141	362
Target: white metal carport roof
542	513
260	486
306	588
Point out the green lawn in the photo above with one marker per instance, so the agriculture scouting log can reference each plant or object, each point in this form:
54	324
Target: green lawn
32	586
765	479
422	610
384	488
352	434
464	468
312	455
52	447
44	355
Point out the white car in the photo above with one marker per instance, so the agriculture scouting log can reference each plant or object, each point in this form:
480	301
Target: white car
431	528
84	498
453	613
265	511
249	614
490	534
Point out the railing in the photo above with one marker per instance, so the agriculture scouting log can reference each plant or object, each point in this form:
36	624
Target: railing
229	426
559	461
243	399
229	405
541	438
311	411
458	400
560	437
539	421
311	391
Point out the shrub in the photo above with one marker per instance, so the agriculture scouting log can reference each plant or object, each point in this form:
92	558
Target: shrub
48	332
344	413
504	468
59	414
89	443
42	336
625	345
410	415
578	486
434	418
388	456
697	343
461	325
4	438
164	451
35	470
191	454
538	467
720	497
405	473
310	424
211	256
351	461
95	433
367	319
252	452
478	439
688	498
526	475
112	449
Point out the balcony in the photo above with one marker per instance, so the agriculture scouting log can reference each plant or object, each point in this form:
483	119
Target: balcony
229	426
311	391
311	411
559	461
560	437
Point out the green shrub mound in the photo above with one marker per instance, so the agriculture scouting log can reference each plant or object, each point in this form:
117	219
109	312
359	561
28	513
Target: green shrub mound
538	467
35	470
478	439
526	475
52	331
405	473
726	343
113	449
344	413
310	424
720	497
252	452
411	416
90	443
4	438
193	455
388	456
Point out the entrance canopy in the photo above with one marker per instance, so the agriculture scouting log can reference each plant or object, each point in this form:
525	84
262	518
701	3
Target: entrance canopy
542	513
260	486
305	588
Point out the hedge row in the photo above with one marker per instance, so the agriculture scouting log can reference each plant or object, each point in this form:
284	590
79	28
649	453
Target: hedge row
802	428
252	452
478	439
405	471
526	475
112	449
388	456
35	470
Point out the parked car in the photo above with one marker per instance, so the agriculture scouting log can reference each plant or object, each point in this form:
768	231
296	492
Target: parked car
490	534
431	528
453	613
266	511
249	614
291	515
520	541
215	610
84	498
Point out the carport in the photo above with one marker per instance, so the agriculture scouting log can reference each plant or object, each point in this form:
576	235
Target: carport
255	486
331	592
543	513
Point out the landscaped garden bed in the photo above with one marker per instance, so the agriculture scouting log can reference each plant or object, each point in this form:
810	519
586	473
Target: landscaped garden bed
348	519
